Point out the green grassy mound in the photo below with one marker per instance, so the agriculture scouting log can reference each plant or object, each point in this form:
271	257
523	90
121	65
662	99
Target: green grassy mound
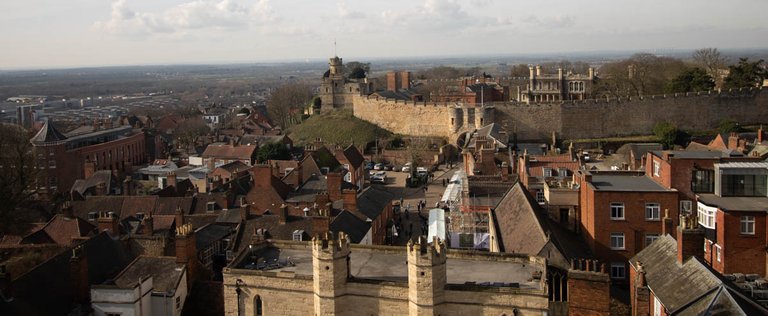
336	127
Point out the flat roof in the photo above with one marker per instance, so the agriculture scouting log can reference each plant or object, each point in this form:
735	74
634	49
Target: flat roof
625	182
736	203
743	165
391	265
692	154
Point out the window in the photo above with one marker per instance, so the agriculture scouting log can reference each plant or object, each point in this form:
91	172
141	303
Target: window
652	211
717	253
547	172
686	206
650	238
562	172
540	197
258	305
617	241
297	235
748	225
617	211
743	185
703	181
178	302
210	206
140	216
92	216
656	168
618	270
706	215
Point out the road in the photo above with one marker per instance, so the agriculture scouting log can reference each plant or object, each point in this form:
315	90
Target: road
413	223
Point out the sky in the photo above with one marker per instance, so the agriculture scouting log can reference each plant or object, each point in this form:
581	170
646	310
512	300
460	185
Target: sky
77	33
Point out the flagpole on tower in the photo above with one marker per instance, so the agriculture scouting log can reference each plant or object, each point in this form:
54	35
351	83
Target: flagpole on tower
334	47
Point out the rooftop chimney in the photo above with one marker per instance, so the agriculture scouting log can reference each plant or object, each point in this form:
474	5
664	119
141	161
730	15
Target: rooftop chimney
128	186
350	200
333	184
66	210
171	179
179	216
690	238
321	223
148	225
760	135
733	141
668	227
283	214
186	249
108	221
78	271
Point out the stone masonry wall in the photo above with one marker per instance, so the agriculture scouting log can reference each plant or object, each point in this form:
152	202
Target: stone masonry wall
573	119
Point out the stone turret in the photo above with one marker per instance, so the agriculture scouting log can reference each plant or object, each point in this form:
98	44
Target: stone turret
426	276
336	67
330	266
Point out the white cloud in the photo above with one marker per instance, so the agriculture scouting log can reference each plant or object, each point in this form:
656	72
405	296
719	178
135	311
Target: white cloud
192	15
345	13
553	22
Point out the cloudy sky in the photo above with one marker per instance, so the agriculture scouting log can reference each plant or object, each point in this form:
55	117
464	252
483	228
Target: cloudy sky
72	33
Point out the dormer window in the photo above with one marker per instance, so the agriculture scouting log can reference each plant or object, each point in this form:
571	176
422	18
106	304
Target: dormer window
298	235
210	206
547	172
92	216
140	216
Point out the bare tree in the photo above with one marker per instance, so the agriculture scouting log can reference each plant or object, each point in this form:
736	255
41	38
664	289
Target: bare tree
189	131
709	59
17	178
286	103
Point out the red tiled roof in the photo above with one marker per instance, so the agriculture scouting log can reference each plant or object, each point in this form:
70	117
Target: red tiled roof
62	229
227	151
163	222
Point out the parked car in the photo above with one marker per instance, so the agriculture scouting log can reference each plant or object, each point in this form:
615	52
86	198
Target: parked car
379	177
421	171
407	167
378	166
369	166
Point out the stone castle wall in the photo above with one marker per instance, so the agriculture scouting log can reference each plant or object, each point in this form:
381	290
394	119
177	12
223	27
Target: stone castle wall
570	119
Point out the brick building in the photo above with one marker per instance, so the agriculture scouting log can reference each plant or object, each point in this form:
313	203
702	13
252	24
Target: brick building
621	213
734	218
62	158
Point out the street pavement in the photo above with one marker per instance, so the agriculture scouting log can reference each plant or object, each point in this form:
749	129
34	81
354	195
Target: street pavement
413	223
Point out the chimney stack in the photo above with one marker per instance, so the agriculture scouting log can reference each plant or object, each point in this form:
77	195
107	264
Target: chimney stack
321	223
668	227
245	211
733	141
66	210
760	135
186	250
171	179
108	221
283	213
89	168
504	171
179	217
690	238
333	184
350	200
128	186
538	70
148	224
78	271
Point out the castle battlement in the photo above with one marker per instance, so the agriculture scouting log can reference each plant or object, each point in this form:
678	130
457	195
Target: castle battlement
425	253
327	244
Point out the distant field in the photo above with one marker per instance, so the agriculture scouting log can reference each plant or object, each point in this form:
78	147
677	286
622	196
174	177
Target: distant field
337	127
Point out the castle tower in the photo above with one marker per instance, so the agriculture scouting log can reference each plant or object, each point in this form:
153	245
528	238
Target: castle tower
336	66
426	276
330	266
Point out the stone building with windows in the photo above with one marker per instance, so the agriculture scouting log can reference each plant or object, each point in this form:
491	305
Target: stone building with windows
544	88
337	90
328	276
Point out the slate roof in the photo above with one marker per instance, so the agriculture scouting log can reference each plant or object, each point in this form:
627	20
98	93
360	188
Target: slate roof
372	201
351	156
492	131
400	94
350	224
275	230
165	272
524	228
209	234
47	134
308	190
102	176
691	288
